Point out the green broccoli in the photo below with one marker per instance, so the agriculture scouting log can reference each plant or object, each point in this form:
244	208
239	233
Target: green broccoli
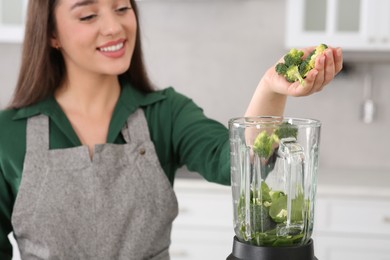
293	57
295	68
263	144
309	63
281	68
292	74
285	130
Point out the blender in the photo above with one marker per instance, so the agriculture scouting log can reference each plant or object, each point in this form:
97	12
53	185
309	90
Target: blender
274	164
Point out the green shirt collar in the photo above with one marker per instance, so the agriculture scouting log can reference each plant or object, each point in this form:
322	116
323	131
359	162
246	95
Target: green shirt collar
129	100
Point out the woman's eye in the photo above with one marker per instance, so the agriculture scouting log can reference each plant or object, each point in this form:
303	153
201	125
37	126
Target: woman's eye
123	9
87	18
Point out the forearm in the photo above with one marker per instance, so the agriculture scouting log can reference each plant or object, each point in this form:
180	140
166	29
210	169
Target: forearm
266	102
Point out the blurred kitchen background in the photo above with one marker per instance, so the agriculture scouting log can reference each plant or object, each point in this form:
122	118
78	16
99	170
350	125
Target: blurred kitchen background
216	51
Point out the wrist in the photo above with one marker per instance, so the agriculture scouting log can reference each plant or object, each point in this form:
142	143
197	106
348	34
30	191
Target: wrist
267	89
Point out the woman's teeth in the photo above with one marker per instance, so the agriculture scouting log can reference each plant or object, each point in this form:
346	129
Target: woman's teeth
112	48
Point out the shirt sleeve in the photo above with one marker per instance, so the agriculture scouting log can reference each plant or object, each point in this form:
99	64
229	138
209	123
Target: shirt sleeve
201	143
5	220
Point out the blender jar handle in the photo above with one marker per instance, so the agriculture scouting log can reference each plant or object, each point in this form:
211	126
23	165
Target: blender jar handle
293	157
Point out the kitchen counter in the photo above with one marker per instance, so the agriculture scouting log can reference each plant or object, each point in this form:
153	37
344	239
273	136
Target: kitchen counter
356	183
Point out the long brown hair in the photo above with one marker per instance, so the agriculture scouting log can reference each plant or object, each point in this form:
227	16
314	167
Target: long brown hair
43	68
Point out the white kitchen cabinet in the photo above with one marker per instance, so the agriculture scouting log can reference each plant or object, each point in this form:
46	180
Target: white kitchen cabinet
352	228
354	25
12	18
342	247
204	226
352	216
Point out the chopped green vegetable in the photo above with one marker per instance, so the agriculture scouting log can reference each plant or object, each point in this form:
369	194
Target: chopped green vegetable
268	216
278	209
295	68
263	144
292	74
293	57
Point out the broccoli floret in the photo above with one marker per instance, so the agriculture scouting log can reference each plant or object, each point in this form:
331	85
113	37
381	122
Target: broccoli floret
285	130
263	144
293	57
318	51
309	63
281	68
295	68
304	68
292	75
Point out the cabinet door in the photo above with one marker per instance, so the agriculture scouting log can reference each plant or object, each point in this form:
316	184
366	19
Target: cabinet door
351	24
377	23
197	243
12	18
338	247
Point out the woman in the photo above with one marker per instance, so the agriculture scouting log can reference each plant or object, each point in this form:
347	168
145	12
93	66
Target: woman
90	148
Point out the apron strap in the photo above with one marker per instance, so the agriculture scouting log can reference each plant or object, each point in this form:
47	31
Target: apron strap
136	129
37	133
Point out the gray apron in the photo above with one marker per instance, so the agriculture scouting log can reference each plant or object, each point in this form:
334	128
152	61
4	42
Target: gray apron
119	205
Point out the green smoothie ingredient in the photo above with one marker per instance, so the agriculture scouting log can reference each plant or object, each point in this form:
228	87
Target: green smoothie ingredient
268	216
295	68
265	143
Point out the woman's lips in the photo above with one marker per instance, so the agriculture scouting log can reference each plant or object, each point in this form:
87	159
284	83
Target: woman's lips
113	49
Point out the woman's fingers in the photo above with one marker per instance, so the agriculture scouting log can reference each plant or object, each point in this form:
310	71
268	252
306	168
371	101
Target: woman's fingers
327	66
330	70
338	54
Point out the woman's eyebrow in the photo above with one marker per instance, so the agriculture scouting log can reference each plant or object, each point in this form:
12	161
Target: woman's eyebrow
83	3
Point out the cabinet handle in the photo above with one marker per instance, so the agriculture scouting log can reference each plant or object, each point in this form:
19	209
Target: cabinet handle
386	219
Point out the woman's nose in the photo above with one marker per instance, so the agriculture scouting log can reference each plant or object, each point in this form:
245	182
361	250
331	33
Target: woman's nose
110	25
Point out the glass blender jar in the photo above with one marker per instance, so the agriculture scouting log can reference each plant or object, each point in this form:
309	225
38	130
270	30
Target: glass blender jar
274	164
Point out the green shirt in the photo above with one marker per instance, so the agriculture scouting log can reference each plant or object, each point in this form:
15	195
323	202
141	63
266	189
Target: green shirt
180	131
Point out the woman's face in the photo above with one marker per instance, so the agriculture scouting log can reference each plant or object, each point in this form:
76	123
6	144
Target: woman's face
95	36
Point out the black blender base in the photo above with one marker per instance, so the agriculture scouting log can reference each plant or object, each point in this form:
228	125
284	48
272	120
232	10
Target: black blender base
242	251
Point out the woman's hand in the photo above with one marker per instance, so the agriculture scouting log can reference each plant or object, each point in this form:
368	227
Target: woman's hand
270	96
327	65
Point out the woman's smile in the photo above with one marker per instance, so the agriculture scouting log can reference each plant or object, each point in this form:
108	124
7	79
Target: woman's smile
114	49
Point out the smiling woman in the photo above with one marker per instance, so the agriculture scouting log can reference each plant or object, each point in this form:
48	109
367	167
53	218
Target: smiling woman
38	82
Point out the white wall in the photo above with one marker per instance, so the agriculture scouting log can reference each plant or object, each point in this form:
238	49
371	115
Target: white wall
215	51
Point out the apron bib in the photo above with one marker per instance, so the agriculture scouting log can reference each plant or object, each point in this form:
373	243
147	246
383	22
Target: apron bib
119	205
